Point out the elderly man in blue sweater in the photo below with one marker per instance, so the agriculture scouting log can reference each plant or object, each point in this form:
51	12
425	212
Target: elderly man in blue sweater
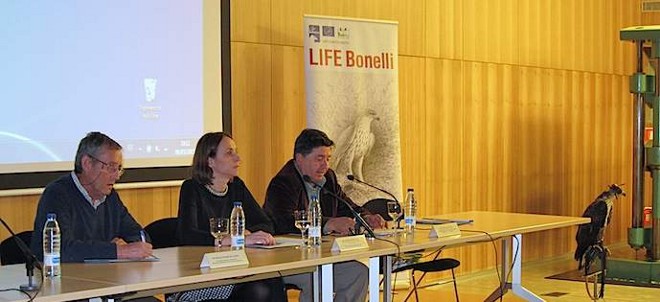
94	223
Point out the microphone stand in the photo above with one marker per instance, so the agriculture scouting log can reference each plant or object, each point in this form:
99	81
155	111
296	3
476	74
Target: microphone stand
398	220
359	220
31	260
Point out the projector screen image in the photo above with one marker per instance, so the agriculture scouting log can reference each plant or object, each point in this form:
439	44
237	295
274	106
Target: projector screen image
146	73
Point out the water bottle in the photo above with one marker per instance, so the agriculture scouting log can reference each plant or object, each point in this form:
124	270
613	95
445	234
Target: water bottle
315	220
51	247
237	226
410	211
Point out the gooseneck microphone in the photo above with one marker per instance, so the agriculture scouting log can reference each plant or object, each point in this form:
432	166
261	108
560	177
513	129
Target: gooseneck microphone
356	215
31	260
352	178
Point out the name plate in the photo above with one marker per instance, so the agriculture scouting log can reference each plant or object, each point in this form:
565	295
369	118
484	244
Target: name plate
445	230
224	259
349	243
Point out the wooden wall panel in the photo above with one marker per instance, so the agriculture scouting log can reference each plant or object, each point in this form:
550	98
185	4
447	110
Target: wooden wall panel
250	21
412	111
18	212
288	103
444	29
444	138
287	22
251	113
148	205
411	27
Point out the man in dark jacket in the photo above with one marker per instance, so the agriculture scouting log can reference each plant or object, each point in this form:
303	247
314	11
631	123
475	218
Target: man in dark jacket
288	192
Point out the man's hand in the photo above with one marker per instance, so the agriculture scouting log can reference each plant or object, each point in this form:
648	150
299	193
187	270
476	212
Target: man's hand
259	238
118	241
375	221
340	225
134	250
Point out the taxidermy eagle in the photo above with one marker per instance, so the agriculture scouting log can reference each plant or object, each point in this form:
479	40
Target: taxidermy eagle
600	212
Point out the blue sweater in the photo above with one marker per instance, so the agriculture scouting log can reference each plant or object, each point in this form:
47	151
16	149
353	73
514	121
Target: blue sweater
86	233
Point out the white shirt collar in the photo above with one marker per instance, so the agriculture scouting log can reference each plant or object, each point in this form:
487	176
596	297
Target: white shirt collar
94	203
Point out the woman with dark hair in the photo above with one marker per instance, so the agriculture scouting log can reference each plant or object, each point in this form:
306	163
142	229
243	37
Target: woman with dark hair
211	192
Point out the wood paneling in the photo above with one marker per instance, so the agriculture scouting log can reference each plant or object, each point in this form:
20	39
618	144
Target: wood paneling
507	105
250	21
18	212
251	112
288	103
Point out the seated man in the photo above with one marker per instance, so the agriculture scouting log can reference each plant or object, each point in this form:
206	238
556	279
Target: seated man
288	192
93	221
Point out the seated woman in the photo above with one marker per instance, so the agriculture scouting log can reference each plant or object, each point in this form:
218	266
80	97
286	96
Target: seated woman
210	192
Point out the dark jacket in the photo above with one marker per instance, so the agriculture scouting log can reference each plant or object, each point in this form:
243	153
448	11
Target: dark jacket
287	193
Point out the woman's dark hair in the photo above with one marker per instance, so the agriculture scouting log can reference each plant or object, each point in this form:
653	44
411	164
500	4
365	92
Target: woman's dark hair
207	146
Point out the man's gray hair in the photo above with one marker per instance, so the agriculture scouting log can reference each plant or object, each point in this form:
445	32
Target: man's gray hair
90	145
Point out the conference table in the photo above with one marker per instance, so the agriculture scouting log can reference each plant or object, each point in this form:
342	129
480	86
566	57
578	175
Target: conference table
178	268
485	226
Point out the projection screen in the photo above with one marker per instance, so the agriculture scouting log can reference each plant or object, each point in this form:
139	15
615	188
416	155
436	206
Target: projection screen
148	73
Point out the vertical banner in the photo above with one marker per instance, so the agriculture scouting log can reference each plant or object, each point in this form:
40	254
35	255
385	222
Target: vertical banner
352	91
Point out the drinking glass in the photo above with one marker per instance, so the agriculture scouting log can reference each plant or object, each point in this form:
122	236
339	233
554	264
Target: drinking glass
302	223
219	228
394	210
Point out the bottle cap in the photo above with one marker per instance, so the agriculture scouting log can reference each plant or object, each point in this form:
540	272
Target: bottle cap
238	203
51	216
410	189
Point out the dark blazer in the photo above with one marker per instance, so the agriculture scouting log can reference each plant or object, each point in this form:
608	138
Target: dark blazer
287	193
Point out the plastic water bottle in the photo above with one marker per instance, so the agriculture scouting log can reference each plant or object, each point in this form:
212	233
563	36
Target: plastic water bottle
51	247
237	226
315	221
410	211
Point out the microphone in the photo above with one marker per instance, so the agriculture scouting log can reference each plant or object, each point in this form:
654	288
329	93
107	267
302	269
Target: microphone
356	215
353	178
31	260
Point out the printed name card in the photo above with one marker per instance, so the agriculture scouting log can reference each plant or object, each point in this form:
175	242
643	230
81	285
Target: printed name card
225	259
349	243
445	230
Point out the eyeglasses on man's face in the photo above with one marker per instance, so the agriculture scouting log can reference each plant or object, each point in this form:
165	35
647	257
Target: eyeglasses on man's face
109	167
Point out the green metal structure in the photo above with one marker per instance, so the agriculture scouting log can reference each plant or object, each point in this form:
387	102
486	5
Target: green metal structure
643	87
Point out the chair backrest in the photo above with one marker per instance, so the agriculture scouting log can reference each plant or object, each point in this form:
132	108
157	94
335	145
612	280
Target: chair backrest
379	206
163	233
10	253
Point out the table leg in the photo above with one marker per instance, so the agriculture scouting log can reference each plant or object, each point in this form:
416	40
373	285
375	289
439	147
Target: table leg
512	254
374	279
516	279
327	288
316	284
387	278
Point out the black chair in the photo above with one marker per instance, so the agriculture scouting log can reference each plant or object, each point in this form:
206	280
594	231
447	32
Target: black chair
437	265
163	233
409	261
10	253
379	206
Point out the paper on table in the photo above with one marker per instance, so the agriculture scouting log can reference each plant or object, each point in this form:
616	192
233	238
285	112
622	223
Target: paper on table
280	242
151	258
441	221
387	232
